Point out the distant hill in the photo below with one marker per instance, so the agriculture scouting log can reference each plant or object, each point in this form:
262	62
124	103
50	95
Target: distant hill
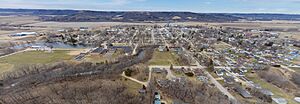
268	17
93	16
106	16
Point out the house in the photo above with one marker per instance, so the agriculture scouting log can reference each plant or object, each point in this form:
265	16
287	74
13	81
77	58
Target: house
163	83
83	28
279	100
220	73
143	90
161	48
182	80
244	70
198	72
202	78
229	79
176	49
266	92
157	70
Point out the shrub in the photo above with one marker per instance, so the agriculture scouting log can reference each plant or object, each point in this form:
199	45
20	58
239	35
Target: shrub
190	74
128	72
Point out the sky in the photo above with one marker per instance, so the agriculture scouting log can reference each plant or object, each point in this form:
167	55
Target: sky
198	6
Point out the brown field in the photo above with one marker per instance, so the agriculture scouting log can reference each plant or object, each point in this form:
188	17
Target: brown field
292	35
285	28
18	20
285	25
98	25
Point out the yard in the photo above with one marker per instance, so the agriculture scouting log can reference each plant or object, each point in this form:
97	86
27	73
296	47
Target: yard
277	91
164	58
33	57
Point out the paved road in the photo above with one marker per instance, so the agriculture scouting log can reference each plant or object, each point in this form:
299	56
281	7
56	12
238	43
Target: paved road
134	52
219	86
152	36
213	80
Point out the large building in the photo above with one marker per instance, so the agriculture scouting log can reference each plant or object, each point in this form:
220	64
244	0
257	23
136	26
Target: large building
24	34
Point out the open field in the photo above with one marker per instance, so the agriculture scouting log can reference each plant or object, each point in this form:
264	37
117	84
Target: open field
292	35
285	28
164	58
132	86
297	60
4	67
95	58
277	91
85	24
102	58
32	57
18	20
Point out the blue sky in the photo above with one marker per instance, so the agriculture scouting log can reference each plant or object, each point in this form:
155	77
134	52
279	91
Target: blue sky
200	6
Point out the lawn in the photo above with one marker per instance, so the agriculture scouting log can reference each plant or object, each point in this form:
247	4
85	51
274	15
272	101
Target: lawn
33	57
164	58
277	91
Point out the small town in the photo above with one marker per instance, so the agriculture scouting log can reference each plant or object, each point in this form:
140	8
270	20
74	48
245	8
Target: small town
245	66
58	55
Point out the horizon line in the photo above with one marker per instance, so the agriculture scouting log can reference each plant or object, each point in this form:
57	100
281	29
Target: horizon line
153	11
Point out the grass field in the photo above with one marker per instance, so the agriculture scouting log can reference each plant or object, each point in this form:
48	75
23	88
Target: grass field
164	58
296	69
102	58
277	91
132	86
33	57
4	67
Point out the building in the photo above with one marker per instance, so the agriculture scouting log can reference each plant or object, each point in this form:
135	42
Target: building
219	73
297	99
279	100
228	79
126	49
244	93
157	98
23	34
98	51
266	92
202	78
161	48
41	48
157	70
